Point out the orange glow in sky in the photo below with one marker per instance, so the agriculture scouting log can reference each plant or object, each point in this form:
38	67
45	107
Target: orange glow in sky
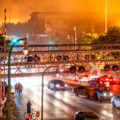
19	10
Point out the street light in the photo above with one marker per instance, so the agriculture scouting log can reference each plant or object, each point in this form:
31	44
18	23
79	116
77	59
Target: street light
42	90
75	29
9	100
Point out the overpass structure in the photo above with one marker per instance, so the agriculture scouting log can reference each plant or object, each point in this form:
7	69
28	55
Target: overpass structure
63	55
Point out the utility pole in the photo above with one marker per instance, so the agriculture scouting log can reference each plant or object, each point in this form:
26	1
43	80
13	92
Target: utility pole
0	28
75	42
0	90
5	33
105	16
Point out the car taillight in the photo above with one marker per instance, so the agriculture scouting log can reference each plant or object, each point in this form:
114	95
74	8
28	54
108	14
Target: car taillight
100	82
91	93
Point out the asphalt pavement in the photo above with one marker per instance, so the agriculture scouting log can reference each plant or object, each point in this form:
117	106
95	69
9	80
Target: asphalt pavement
62	105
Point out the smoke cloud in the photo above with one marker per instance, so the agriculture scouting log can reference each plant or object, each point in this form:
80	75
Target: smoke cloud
21	9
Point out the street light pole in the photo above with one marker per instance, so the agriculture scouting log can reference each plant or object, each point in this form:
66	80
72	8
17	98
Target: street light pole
42	90
75	37
9	100
105	16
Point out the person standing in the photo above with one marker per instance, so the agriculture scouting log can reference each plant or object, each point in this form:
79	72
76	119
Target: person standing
29	107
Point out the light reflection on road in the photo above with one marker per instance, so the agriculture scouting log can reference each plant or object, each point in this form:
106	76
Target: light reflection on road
59	104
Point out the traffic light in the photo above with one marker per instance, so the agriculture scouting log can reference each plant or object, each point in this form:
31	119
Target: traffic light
115	68
59	57
66	57
93	57
81	69
87	57
72	69
107	67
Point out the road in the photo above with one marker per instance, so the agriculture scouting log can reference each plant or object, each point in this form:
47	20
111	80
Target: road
62	105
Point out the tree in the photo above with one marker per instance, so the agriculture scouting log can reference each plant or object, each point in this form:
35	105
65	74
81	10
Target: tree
88	38
112	36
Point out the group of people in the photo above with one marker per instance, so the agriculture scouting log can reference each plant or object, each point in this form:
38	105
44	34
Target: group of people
18	88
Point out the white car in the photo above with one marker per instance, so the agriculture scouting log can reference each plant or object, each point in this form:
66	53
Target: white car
115	100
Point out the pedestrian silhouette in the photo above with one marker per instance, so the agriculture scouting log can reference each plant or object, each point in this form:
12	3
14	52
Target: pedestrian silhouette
29	107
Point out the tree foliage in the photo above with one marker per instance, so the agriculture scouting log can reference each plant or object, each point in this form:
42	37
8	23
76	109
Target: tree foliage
112	36
88	38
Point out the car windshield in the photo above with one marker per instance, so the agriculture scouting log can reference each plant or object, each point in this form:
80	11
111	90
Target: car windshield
57	81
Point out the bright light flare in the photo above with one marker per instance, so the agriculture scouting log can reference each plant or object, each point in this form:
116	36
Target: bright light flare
104	94
57	85
111	94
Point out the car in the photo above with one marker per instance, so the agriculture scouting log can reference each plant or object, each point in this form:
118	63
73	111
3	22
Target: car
80	90
102	94
115	101
86	115
83	90
57	85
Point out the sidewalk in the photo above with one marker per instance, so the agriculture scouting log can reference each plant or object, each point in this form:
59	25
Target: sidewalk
2	114
1	107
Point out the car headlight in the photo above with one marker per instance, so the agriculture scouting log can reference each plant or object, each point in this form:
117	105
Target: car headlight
104	94
57	85
111	94
66	85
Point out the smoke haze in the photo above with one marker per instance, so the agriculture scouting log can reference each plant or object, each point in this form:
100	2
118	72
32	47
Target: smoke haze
21	9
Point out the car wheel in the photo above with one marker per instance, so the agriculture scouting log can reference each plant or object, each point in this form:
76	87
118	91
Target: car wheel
87	95
94	96
76	93
113	104
33	116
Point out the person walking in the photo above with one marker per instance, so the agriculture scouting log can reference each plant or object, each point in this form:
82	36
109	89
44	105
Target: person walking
16	88
20	87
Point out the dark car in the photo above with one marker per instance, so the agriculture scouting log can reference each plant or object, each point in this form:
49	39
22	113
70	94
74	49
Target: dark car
57	85
104	94
81	90
85	115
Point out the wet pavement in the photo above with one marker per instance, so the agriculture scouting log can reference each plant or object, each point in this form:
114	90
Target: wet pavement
61	105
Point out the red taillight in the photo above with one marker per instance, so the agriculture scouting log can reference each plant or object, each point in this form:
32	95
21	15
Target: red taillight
100	82
107	79
91	93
